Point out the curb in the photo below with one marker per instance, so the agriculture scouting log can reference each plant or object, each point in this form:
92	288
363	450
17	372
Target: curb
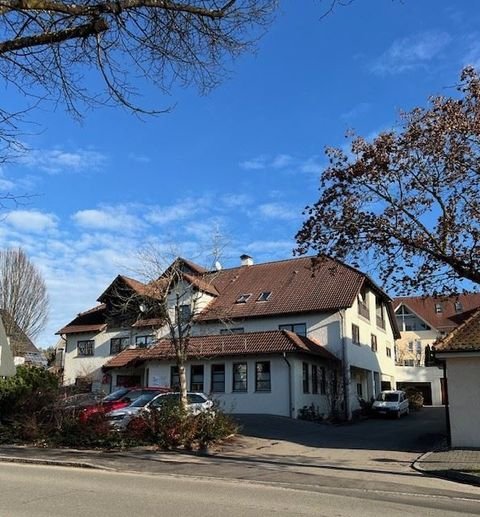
449	475
54	463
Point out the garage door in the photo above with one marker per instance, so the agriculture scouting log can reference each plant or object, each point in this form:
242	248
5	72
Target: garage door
425	388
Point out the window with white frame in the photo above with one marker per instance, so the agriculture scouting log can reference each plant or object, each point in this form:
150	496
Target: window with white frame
174	378
305	378
355	334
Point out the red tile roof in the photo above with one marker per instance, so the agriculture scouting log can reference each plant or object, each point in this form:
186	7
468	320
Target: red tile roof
91	320
78	329
449	318
465	338
251	343
293	285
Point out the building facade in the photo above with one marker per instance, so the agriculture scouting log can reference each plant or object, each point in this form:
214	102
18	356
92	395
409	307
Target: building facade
347	322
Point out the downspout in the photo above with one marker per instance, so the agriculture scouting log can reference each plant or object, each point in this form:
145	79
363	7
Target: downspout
289	384
346	367
447	407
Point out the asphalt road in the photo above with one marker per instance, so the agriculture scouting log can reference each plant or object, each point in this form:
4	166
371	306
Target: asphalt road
42	491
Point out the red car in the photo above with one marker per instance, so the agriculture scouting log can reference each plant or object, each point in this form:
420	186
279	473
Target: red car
118	399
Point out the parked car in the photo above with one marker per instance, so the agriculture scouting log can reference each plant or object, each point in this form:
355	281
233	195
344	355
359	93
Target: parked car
196	403
391	403
119	399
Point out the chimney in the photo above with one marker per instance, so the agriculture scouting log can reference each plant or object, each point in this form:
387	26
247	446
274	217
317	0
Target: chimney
246	260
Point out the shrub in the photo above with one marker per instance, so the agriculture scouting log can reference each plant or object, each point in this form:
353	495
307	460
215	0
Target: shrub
415	399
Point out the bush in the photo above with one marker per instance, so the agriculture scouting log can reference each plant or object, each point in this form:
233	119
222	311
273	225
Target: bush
415	399
173	427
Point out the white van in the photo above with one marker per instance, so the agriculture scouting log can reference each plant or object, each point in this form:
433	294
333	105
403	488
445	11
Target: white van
391	403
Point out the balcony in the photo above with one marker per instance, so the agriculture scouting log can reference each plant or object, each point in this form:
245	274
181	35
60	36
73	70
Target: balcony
363	310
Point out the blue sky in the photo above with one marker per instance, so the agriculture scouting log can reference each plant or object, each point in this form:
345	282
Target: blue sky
244	160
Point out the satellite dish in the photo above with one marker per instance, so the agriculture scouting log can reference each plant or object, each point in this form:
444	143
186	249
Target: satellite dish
218	266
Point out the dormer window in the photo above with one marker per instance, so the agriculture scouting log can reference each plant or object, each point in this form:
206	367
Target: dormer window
458	307
243	298
264	296
438	308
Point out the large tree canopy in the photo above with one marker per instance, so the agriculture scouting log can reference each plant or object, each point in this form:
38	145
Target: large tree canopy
409	200
47	48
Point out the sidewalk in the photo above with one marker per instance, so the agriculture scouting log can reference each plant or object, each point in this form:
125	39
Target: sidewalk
457	464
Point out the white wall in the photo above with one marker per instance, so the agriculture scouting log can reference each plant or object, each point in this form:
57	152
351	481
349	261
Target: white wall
274	402
463	377
430	374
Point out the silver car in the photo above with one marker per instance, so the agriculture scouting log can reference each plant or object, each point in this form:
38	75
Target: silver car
120	418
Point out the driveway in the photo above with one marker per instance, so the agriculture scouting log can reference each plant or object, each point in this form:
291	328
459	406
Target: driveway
416	432
375	446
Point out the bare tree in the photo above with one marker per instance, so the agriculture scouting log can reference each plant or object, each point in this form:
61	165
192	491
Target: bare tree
408	201
23	293
48	46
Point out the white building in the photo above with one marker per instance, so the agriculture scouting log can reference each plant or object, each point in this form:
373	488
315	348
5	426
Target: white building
460	350
278	325
421	321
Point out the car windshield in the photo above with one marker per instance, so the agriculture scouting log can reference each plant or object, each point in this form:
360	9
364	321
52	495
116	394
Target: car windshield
115	395
388	397
144	399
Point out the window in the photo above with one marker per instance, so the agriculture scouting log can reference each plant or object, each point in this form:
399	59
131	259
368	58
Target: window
85	347
298	328
409	362
184	313
174	378
306	382
143	341
355	334
362	300
323	381
128	381
243	298
117	344
314	378
389	351
438	308
359	389
196	377
379	313
237	330
262	376
374	342
410	346
418	346
240	377
458	306
218	378
408	321
264	296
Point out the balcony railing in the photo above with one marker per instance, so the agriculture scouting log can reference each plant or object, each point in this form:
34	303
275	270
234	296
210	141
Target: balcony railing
363	310
380	322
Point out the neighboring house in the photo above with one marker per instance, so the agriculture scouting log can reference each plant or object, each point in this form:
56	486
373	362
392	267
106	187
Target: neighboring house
460	351
270	337
22	347
422	320
7	365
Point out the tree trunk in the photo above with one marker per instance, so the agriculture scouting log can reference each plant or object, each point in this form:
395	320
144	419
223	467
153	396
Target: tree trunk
183	385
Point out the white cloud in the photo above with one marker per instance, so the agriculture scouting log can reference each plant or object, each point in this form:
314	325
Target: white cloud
255	164
55	161
32	221
312	166
107	218
411	52
281	161
278	211
357	111
182	210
